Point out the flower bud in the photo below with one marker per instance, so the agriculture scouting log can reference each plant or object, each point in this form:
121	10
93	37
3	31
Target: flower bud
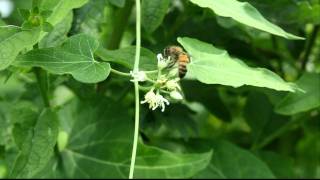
176	95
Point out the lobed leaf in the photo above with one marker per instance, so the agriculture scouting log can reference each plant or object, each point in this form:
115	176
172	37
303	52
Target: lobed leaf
100	142
12	41
214	66
125	57
244	13
74	57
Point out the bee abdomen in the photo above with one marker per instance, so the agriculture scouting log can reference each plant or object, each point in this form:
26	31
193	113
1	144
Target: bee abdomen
183	61
182	70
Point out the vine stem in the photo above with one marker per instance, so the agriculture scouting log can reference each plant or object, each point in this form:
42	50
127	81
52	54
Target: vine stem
120	73
136	89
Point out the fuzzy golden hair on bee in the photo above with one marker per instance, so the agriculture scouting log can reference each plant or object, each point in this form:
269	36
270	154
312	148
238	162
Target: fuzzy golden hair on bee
177	56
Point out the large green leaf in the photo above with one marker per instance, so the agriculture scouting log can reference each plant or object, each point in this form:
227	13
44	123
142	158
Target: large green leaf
290	12
265	124
90	19
281	166
60	8
100	143
302	101
153	12
58	34
230	161
209	96
75	57
214	66
13	40
118	3
125	57
37	148
244	13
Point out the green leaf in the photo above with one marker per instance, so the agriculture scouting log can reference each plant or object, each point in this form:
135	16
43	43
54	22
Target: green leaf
153	163
281	166
153	12
207	95
45	14
60	8
177	121
91	19
59	33
75	57
232	162
214	66
47	27
100	142
125	57
37	148
244	13
24	13
12	41
264	123
23	116
302	101
118	3
27	26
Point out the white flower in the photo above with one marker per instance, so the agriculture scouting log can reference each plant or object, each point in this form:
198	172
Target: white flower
138	76
162	62
173	85
151	99
155	100
162	101
176	95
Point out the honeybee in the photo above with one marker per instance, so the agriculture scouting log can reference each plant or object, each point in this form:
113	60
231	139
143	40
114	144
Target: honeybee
177	55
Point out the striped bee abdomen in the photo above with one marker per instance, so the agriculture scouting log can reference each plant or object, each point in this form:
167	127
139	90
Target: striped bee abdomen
183	60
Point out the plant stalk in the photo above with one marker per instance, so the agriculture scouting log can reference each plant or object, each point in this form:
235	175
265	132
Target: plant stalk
136	89
309	46
43	83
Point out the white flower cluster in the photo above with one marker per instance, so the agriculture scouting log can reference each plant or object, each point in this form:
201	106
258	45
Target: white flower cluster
155	100
164	83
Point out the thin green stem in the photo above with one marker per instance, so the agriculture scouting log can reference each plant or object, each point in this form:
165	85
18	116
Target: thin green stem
136	89
144	88
151	72
120	73
309	45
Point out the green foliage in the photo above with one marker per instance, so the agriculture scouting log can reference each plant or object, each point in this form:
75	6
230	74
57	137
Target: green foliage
302	101
248	107
74	57
60	8
125	57
244	13
12	41
234	163
214	66
59	33
153	12
37	145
